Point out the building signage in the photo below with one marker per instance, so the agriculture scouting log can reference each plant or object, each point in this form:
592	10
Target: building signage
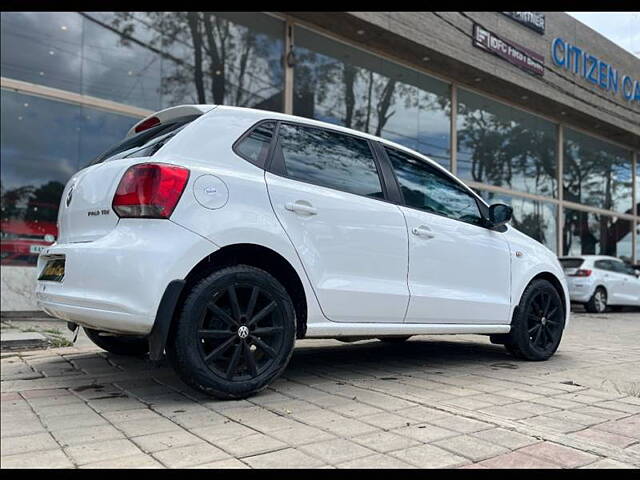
594	70
518	55
533	20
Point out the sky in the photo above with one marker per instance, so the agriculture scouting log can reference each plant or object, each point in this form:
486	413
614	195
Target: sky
622	28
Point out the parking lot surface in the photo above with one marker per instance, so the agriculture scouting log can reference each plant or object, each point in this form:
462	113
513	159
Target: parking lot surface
432	402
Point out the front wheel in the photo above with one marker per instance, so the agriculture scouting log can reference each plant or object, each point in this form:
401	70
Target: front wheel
537	327
119	344
235	334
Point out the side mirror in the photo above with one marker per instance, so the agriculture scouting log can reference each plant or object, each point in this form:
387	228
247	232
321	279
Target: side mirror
499	214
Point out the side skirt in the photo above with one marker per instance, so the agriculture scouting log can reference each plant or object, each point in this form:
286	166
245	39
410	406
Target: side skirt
334	329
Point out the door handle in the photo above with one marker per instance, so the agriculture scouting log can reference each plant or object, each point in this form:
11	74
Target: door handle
422	231
301	207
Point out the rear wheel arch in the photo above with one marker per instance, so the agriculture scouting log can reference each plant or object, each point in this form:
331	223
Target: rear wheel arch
256	256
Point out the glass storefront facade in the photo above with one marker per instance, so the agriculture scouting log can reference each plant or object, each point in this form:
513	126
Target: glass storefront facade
574	199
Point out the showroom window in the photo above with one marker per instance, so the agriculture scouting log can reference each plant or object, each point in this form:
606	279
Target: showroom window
329	159
44	142
596	173
589	233
504	146
340	84
532	217
159	59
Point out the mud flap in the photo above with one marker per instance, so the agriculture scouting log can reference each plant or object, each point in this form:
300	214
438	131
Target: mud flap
164	316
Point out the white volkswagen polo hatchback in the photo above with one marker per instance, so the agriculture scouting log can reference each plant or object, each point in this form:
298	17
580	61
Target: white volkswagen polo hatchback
222	234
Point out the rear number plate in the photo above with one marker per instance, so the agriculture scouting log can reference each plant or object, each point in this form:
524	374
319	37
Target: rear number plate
53	270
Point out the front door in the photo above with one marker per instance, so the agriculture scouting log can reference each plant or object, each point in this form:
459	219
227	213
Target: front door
459	271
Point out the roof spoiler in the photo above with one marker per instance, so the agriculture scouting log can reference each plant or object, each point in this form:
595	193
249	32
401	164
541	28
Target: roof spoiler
166	115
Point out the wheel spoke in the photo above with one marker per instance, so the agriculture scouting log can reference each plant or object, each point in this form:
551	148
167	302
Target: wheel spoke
546	307
252	302
251	362
222	315
233	365
233	300
266	331
262	313
551	313
210	333
536	340
264	347
534	328
220	349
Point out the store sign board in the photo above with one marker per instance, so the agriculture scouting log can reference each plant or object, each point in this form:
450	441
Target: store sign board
594	70
513	53
533	20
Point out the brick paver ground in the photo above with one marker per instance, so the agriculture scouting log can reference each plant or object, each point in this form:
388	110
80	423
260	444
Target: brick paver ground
432	402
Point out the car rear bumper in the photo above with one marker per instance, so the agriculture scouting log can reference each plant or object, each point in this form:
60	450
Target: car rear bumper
580	289
116	283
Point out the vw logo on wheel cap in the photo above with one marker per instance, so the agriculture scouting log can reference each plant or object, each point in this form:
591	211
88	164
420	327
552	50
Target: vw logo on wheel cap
243	331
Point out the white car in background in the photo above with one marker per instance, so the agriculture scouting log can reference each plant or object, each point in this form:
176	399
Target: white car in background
599	281
222	234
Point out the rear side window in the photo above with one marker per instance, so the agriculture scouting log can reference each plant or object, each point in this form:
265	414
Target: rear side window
603	265
329	159
425	188
571	262
254	146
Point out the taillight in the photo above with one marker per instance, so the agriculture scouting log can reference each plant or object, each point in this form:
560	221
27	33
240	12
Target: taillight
581	273
147	124
149	190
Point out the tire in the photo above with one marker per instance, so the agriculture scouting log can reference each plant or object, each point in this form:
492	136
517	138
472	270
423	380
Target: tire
119	344
537	326
221	346
394	339
598	301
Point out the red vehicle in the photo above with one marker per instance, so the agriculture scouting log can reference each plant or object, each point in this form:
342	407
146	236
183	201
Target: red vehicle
21	240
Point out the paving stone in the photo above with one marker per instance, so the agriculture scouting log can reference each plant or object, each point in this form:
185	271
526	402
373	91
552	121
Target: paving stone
377	461
506	411
620	406
430	456
629	427
461	424
470	447
607	463
566	457
27	443
85	419
506	438
384	442
222	464
16	428
425	433
156	442
223	431
387	420
79	436
555	424
250	445
336	451
575	417
99	451
129	461
300	434
190	455
131	415
287	458
45	459
138	428
517	460
604	438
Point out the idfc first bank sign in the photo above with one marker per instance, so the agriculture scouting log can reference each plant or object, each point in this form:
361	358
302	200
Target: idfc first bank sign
594	70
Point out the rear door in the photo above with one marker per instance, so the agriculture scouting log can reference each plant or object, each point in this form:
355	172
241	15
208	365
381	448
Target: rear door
628	283
459	271
326	191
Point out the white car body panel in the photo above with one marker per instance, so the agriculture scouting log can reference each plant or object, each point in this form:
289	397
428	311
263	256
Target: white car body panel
448	267
118	269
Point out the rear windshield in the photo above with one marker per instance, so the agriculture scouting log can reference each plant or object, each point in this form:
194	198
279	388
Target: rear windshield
571	262
145	143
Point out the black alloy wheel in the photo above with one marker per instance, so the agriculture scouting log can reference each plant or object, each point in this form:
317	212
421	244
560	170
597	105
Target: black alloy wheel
235	334
538	324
